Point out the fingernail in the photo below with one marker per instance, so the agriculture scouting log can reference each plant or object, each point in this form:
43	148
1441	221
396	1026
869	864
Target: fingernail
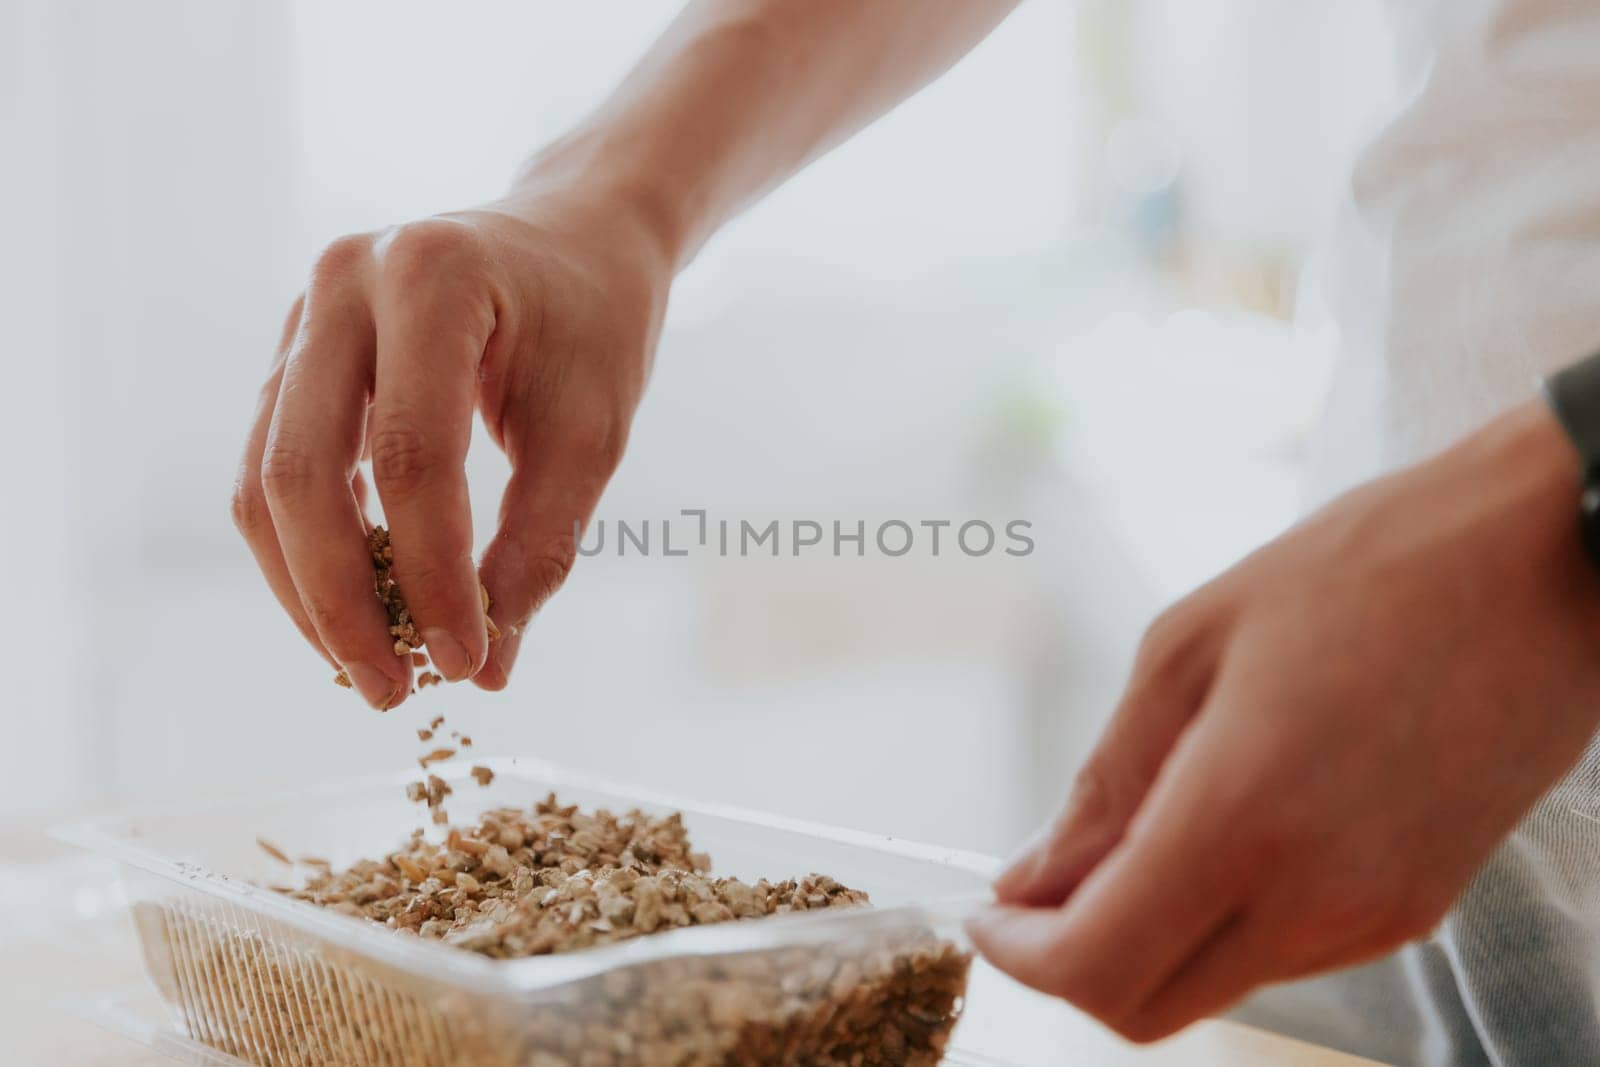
1005	931
1054	842
375	687
448	654
980	924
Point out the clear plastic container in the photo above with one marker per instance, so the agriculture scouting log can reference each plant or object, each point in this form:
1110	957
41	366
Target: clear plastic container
277	981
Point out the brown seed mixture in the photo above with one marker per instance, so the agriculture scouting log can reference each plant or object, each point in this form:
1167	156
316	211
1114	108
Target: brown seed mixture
401	628
556	880
407	638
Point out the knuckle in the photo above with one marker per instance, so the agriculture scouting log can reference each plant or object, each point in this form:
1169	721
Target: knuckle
427	248
342	257
1167	635
287	469
248	507
332	622
402	459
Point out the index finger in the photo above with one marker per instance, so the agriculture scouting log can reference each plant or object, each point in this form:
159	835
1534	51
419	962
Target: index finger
311	454
1171	677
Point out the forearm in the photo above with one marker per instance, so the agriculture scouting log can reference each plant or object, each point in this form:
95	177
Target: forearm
739	94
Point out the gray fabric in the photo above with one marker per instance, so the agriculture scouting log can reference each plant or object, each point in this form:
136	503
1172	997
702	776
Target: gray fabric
1512	976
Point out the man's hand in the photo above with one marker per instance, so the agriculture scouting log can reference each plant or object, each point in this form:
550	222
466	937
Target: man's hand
1317	749
542	315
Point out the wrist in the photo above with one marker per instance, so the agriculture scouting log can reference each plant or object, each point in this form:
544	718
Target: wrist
1525	450
608	182
1522	464
700	128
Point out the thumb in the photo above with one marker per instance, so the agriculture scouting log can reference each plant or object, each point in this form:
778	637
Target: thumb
1171	675
546	506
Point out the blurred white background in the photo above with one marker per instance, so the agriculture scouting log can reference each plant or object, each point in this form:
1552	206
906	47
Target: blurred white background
1072	283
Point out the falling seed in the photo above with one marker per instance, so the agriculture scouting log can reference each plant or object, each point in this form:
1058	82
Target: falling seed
438	789
274	851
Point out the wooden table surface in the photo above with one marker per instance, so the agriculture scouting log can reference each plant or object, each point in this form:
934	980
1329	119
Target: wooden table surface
76	947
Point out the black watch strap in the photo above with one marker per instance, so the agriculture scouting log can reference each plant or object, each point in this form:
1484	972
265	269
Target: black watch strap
1574	396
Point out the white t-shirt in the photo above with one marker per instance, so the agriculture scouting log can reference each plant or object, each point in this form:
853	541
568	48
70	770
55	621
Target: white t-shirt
1468	266
1468	260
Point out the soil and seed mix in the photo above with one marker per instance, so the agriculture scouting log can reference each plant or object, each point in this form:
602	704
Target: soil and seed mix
553	879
